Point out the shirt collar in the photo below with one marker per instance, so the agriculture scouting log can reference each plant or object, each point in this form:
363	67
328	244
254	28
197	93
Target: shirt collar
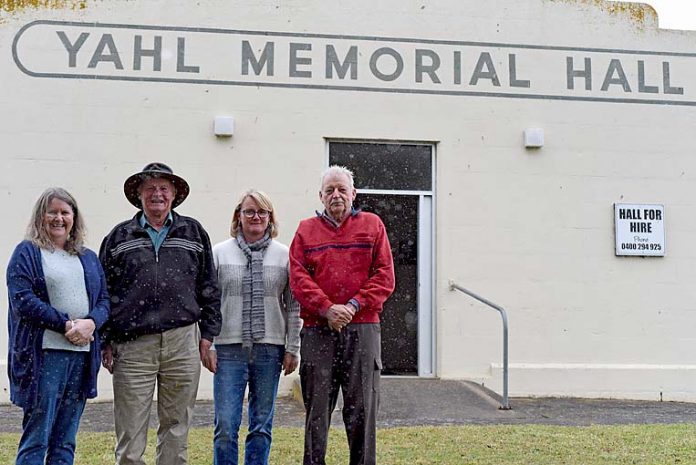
332	222
145	223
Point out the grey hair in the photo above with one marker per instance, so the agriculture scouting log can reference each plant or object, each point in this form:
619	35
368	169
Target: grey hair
337	169
36	231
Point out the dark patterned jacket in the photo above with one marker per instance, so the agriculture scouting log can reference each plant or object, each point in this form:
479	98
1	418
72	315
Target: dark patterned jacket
152	292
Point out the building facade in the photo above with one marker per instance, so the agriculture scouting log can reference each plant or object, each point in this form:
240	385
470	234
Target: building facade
505	144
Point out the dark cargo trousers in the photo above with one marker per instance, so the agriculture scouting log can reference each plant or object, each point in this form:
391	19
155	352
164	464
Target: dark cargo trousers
350	361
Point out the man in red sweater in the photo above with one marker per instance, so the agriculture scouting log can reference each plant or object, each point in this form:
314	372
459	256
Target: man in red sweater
341	273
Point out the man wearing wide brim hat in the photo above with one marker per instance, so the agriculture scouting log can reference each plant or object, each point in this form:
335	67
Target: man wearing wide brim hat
155	170
165	312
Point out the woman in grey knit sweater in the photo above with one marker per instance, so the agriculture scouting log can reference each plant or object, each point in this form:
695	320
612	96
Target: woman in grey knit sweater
260	330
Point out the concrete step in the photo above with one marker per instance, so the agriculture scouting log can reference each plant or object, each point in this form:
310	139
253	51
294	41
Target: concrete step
428	400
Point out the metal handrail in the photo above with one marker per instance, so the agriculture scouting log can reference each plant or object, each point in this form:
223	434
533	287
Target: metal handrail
454	286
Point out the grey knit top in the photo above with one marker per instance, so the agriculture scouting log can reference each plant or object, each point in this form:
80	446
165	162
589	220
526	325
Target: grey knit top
282	312
65	283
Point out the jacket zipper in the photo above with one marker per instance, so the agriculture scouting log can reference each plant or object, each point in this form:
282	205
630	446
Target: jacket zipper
156	275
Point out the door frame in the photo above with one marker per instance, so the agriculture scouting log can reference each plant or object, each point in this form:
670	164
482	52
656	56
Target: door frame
427	320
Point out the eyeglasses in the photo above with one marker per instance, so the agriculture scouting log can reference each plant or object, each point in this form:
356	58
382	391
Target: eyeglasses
251	213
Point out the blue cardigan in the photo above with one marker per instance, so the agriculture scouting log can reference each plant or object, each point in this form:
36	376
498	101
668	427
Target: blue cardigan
31	313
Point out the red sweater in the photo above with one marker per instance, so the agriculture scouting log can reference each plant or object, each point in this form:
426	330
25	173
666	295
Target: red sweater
331	265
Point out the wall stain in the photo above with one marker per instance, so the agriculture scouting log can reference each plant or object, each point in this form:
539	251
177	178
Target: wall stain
641	14
12	6
638	13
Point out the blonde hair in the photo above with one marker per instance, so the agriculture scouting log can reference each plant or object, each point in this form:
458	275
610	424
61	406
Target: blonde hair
37	232
263	201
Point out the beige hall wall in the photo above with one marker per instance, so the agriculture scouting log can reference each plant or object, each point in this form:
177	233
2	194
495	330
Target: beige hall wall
529	229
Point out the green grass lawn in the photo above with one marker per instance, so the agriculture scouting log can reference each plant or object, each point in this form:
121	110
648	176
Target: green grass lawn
452	445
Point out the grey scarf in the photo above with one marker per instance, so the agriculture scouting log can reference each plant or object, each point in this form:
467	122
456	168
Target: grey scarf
253	313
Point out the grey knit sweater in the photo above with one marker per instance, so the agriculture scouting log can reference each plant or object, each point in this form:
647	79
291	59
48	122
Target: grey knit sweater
283	323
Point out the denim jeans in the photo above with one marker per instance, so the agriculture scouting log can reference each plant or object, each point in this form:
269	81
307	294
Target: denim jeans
50	425
237	367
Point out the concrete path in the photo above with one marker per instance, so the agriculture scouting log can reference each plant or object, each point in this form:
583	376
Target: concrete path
412	402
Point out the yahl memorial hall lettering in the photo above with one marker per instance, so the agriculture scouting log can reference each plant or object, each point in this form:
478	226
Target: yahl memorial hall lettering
54	49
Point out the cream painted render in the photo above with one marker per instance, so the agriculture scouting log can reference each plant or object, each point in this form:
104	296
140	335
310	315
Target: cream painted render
532	230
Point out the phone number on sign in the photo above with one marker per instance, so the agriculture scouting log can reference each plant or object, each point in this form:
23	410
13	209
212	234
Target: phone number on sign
626	246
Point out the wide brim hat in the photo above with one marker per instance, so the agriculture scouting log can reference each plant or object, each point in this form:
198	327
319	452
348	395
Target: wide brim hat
155	170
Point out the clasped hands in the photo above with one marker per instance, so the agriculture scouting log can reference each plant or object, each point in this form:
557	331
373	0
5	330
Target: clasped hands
339	316
80	332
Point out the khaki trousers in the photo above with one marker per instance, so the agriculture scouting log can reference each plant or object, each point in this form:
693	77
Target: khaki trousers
169	361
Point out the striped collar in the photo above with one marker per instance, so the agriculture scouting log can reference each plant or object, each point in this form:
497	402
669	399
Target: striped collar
326	217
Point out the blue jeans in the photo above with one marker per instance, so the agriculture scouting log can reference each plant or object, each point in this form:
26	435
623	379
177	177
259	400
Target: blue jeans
50	425
236	368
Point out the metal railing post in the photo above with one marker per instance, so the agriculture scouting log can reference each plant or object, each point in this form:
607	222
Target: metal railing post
454	286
